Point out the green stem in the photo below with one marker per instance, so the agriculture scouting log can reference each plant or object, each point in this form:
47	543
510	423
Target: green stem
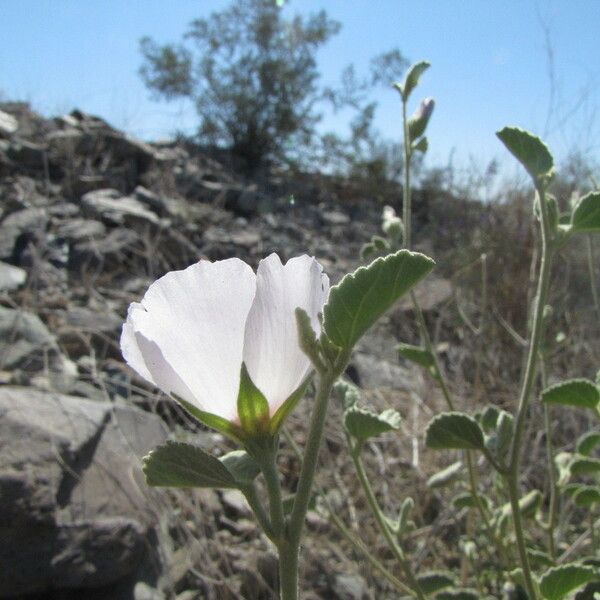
290	546
269	470
384	527
512	477
553	507
255	504
406	195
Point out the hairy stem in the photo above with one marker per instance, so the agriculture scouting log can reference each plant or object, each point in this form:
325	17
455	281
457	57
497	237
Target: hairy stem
512	477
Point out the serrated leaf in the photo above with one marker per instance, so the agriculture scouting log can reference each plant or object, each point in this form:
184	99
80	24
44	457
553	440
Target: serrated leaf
363	424
445	476
529	150
176	464
585	465
434	581
416	354
557	582
241	465
587	495
411	79
588	442
454	431
581	393
362	297
586	214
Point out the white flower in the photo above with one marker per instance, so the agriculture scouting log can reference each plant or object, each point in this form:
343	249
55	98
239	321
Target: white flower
194	328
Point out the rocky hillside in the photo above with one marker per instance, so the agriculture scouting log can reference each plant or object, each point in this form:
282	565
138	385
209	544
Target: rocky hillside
88	219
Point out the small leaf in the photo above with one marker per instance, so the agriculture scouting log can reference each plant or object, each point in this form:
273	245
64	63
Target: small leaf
445	476
586	214
381	245
368	251
416	354
362	297
563	465
434	581
466	500
404	515
363	424
347	392
411	79
454	430
176	464
421	145
588	442
489	418
528	505
253	408
241	465
529	150
557	582
581	393
585	465
458	594
587	495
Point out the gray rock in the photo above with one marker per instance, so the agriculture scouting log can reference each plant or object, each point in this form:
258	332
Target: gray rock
143	591
25	341
27	221
76	512
115	208
8	124
76	230
350	587
11	278
27	154
335	217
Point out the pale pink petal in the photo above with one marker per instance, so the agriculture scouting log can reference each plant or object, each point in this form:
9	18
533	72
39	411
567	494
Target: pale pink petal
272	354
194	321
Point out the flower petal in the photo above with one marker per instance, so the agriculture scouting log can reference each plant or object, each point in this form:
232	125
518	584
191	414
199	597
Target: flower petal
272	353
189	331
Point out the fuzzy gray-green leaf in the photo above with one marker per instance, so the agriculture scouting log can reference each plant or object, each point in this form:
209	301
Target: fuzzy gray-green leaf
581	393
455	431
176	464
363	296
363	424
586	214
529	150
557	582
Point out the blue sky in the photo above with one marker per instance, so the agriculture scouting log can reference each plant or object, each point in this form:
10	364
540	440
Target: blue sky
489	64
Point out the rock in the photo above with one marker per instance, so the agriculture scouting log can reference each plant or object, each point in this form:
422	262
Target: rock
25	341
350	587
75	230
115	208
142	591
11	278
8	124
76	512
20	225
431	293
235	503
116	242
91	320
335	217
28	154
166	207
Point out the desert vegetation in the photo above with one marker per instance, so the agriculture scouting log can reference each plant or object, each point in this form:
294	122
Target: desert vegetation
442	441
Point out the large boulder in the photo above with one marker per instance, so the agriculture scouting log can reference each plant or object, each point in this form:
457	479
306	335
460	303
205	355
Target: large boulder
76	513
